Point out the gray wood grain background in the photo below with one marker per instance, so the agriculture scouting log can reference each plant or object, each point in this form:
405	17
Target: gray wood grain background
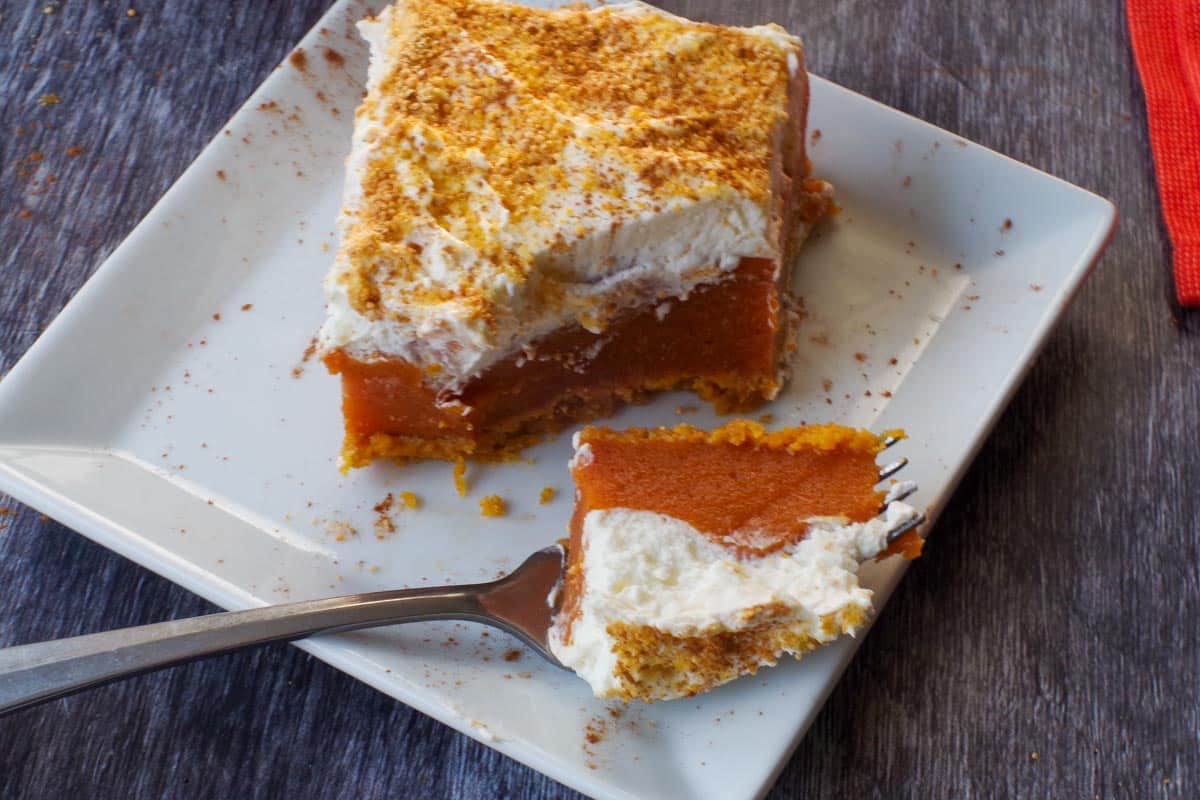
1056	612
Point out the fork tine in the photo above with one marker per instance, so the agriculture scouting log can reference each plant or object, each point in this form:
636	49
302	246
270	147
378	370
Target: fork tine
888	441
892	468
905	526
899	491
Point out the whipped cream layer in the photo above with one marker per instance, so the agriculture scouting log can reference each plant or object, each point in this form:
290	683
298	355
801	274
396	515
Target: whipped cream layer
489	201
648	569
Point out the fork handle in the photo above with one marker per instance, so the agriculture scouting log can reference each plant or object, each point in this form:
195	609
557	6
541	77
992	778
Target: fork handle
34	673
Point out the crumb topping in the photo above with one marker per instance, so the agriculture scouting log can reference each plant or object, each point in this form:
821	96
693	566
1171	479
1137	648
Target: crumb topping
520	131
655	665
493	505
746	432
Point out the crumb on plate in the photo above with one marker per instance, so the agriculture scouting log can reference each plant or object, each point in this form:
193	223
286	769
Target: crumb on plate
493	505
460	477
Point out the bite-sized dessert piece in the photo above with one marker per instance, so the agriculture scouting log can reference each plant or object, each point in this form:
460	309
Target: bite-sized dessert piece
696	557
548	213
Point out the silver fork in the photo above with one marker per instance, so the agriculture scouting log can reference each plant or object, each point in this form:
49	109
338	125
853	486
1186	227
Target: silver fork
517	603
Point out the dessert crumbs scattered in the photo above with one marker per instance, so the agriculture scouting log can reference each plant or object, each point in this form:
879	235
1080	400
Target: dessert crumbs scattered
333	56
298	59
766	419
886	393
999	252
513	655
860	357
340	529
410	500
383	523
247	306
547	494
1037	287
132	12
217	317
25	213
460	477
820	338
221	175
686	409
815	137
49	99
827	384
907	182
958	265
493	505
1007	226
893	361
1034	755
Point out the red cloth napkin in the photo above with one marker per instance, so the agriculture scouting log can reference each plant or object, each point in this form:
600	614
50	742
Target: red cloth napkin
1166	46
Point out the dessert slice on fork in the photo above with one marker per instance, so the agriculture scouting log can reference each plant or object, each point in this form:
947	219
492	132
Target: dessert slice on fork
696	557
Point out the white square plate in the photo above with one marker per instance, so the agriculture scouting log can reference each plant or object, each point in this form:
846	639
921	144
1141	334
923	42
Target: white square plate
205	448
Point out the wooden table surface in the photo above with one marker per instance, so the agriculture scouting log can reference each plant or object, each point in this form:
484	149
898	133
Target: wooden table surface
1046	646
